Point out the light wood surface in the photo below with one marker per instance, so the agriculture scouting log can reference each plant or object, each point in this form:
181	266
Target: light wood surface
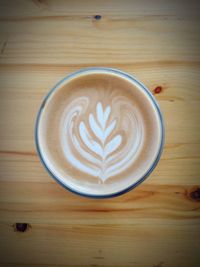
158	223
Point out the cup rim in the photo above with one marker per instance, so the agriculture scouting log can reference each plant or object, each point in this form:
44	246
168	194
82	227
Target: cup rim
131	78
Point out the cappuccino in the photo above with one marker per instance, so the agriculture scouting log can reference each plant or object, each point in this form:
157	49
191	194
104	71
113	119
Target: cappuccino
99	132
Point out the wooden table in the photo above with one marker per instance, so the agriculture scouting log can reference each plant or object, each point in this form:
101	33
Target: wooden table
158	223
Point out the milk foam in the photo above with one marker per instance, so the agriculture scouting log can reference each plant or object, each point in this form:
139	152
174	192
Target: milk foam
103	152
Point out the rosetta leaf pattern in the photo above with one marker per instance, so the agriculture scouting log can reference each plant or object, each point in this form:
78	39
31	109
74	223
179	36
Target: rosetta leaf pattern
102	130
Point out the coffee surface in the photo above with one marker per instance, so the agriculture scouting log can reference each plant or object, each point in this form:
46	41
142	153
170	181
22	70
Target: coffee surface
99	132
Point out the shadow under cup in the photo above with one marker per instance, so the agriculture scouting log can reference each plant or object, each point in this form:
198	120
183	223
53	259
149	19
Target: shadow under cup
99	132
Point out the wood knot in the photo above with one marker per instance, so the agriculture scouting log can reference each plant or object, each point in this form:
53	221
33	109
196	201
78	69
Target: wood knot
195	194
160	264
21	227
158	90
97	17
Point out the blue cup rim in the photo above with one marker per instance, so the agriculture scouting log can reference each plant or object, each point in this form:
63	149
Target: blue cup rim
131	78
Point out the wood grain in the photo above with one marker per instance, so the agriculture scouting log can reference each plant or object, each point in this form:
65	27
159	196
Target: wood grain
158	223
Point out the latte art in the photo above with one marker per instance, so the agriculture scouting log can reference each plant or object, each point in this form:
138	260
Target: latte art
99	132
95	146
